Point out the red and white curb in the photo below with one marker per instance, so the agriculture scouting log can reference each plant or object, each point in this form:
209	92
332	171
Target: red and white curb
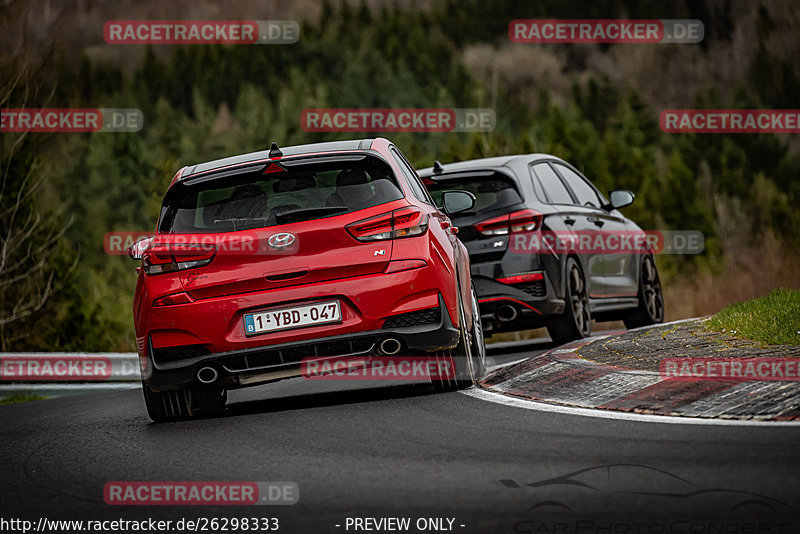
561	376
545	407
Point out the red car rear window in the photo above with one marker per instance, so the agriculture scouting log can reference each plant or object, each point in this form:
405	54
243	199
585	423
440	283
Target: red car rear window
262	196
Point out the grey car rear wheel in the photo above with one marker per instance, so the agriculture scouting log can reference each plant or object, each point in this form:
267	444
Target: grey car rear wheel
650	296
576	321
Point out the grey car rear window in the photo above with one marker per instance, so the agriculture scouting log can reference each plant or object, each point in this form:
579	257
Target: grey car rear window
491	193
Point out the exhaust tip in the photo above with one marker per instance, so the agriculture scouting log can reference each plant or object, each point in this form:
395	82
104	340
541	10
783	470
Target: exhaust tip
506	313
207	375
390	346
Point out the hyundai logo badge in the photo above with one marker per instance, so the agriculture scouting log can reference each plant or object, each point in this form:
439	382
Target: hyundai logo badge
281	240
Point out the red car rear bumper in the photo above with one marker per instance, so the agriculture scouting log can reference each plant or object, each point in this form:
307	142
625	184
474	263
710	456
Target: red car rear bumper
178	340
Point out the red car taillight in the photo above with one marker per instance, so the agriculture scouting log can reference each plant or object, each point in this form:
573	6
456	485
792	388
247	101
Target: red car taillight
518	221
521	278
171	300
162	258
397	266
403	222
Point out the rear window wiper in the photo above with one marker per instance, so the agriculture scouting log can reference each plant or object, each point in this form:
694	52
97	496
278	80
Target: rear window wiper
304	214
241	223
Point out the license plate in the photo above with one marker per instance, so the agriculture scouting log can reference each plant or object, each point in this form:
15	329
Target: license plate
296	317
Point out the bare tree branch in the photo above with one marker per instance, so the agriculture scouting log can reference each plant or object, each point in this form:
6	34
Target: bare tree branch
29	238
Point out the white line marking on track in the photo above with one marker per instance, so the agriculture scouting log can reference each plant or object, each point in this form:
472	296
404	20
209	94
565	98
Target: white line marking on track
516	402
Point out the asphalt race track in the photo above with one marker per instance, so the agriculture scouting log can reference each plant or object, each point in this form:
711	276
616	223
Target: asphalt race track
406	452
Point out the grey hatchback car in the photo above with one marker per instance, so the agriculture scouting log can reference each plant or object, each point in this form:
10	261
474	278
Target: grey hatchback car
548	249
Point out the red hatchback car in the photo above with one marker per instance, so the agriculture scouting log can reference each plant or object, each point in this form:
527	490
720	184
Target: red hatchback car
323	251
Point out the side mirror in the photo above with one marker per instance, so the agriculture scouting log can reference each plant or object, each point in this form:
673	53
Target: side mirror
457	201
136	251
619	198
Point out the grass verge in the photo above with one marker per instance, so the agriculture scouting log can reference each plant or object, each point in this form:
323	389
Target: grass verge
773	319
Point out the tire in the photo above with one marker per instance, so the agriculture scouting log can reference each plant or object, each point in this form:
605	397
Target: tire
460	357
650	296
576	321
478	344
184	403
445	359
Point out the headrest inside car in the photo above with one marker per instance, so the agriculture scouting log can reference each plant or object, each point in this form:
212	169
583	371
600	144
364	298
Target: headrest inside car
293	183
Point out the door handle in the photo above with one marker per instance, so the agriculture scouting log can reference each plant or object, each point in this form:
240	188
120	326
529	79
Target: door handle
286	276
569	220
445	223
596	220
454	230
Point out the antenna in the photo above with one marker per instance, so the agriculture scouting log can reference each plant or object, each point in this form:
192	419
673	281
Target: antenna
274	151
437	167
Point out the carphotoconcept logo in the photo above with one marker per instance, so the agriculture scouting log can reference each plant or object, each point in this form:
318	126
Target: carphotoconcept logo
739	369
397	120
201	32
575	31
378	368
733	509
730	121
200	493
71	120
